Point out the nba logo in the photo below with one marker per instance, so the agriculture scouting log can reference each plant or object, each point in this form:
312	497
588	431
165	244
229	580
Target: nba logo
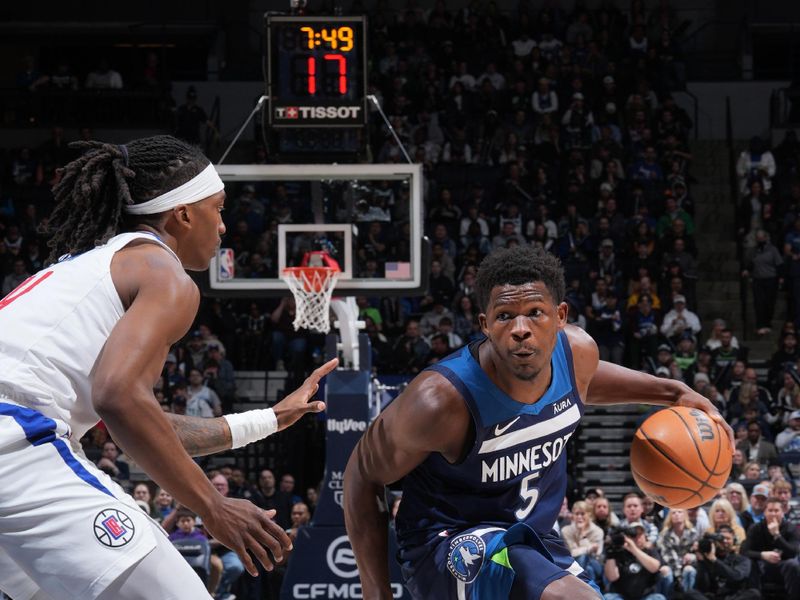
226	264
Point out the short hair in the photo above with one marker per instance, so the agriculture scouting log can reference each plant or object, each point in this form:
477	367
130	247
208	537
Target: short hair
581	505
723	528
781	484
750	464
184	513
602	498
519	265
441	337
774	500
636	495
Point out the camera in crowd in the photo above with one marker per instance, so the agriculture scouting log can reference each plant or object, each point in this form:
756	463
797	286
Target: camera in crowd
705	542
615	540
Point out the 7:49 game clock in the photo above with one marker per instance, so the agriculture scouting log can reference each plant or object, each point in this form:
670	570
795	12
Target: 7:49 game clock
316	71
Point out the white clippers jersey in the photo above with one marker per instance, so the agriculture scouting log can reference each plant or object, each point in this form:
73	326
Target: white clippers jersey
52	329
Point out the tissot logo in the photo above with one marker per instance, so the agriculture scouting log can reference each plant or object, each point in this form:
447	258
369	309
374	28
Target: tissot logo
317	112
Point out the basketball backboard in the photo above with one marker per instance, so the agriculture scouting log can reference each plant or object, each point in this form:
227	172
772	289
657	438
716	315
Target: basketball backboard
368	217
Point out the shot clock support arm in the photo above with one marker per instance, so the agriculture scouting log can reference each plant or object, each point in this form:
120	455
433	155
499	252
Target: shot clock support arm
372	98
249	118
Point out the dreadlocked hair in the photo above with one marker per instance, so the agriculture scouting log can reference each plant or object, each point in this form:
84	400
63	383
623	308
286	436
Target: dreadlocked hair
519	265
95	187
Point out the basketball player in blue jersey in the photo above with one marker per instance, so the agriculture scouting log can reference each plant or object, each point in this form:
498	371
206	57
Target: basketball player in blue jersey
479	440
86	338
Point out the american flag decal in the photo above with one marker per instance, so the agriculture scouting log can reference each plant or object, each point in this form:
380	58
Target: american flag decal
398	270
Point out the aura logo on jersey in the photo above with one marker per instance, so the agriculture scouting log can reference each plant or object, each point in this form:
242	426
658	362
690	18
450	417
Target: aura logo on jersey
113	528
340	557
561	405
466	557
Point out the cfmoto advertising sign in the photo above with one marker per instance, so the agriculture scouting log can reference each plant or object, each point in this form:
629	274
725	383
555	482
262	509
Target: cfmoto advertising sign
336	576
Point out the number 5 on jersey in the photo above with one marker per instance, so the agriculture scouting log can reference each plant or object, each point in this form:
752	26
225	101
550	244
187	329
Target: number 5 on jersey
529	495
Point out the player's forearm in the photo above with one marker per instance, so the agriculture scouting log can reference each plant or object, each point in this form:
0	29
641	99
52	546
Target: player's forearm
367	528
139	425
613	384
200	436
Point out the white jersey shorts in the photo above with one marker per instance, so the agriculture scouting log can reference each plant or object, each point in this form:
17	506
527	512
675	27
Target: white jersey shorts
65	527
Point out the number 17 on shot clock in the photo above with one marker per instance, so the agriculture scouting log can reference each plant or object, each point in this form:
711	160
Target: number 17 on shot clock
316	72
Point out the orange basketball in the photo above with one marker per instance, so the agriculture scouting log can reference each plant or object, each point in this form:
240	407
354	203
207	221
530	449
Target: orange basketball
680	457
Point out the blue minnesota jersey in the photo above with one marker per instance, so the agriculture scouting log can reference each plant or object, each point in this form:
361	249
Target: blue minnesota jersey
516	469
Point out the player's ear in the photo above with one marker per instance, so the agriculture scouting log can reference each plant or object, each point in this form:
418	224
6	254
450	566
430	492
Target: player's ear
563	311
182	216
482	323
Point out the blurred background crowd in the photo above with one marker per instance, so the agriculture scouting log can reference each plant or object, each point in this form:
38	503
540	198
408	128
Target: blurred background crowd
568	113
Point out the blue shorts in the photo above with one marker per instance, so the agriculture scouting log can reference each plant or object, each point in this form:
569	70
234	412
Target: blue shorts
491	563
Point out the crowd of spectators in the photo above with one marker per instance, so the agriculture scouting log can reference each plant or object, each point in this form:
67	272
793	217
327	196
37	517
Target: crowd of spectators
768	225
550	127
742	546
113	86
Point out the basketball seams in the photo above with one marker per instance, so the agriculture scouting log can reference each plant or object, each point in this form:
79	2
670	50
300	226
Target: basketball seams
656	445
711	471
694	441
692	492
666	443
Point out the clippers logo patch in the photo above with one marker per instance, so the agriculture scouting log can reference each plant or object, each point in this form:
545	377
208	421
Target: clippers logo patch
113	528
466	557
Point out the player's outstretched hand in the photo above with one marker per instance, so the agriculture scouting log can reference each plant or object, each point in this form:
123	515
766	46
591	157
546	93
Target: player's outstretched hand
247	529
296	404
692	399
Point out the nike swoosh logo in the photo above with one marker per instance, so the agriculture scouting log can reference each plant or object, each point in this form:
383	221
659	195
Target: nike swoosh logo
501	430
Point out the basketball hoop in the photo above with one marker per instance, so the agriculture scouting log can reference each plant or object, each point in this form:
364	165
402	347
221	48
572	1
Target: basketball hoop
312	288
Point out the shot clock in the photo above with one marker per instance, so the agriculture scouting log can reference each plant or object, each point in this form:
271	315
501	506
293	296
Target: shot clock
316	71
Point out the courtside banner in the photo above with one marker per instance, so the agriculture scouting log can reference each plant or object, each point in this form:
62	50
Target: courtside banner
322	565
347	398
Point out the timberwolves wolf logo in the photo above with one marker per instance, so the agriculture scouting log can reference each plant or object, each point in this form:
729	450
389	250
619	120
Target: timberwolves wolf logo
466	557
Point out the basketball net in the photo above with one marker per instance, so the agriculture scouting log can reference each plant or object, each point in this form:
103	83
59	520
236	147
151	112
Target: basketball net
312	286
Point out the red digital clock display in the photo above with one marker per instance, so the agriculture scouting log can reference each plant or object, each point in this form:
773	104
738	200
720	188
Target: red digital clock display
316	71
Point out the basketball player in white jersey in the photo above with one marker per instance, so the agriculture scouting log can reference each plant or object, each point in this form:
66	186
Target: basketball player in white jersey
85	339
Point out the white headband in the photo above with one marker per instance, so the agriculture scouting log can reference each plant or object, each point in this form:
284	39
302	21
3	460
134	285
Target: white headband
204	184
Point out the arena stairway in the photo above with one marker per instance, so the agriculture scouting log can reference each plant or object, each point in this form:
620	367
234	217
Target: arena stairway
718	266
602	449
